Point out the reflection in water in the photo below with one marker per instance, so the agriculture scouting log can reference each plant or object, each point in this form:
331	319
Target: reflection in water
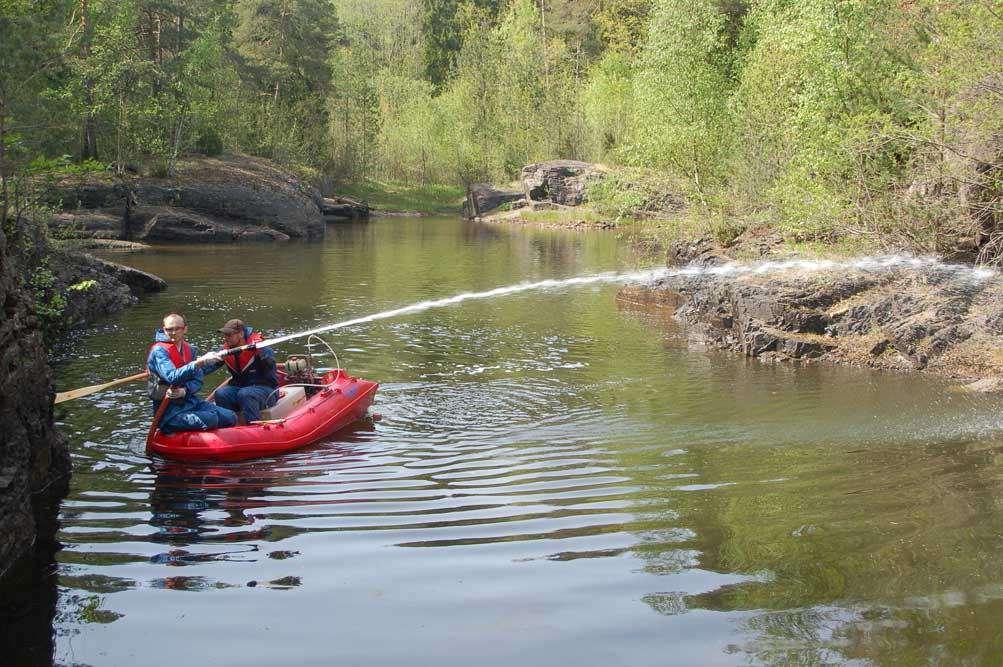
28	595
557	478
842	556
204	512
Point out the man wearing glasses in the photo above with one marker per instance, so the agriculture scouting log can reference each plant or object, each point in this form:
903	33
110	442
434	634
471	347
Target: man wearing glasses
176	372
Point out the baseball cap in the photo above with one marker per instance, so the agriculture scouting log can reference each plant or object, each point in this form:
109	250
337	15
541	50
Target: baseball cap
232	326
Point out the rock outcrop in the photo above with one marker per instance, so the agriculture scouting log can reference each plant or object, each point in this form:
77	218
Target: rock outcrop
554	183
232	198
343	209
563	182
919	316
33	456
102	287
483	198
74	288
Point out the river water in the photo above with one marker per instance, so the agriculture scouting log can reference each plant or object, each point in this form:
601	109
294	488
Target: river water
557	478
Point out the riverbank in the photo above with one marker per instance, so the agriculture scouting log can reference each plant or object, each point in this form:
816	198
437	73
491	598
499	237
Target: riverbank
905	315
397	199
893	312
643	207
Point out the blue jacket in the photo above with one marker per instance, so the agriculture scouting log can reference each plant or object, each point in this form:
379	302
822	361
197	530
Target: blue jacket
188	376
251	367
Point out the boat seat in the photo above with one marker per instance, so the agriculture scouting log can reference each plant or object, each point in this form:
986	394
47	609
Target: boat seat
289	399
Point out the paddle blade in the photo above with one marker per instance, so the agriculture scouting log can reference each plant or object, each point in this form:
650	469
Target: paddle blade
95	388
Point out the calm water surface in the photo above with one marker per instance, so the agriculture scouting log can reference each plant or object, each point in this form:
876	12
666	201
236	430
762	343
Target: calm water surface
557	479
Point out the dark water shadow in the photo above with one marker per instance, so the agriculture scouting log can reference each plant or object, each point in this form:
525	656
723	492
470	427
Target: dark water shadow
28	594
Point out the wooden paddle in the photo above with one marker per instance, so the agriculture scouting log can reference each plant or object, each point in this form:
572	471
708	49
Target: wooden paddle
156	421
221	385
95	388
163	406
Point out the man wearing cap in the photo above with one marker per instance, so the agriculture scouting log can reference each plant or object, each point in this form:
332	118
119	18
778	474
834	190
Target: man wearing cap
253	376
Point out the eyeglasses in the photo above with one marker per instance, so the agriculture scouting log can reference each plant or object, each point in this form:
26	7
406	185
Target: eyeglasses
173	329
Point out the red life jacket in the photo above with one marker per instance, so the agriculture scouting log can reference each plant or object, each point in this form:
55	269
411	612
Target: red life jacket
178	357
238	363
155	385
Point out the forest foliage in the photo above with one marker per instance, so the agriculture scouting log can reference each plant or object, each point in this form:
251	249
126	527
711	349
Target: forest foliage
824	118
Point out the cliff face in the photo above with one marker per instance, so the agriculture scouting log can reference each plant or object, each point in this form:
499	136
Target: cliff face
33	456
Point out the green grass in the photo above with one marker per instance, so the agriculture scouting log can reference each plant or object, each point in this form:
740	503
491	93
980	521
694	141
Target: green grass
389	196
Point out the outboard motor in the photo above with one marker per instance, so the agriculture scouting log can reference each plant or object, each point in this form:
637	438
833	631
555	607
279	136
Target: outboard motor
299	370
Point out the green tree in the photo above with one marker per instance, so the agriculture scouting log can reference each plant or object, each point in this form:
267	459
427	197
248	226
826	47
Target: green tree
607	100
285	47
954	178
353	113
442	39
621	25
442	27
681	91
285	43
33	52
473	102
150	80
817	85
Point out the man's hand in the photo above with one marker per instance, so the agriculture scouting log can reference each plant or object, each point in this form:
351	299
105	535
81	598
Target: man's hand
209	358
176	392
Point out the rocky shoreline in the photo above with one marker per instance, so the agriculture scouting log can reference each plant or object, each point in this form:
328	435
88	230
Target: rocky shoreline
893	314
104	287
34	461
886	313
569	194
224	199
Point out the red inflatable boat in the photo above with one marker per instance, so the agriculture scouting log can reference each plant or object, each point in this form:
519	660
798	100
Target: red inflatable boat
296	420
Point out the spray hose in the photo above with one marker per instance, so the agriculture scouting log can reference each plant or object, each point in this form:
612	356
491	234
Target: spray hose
637	276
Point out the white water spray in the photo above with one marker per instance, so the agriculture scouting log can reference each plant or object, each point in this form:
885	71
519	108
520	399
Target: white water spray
633	277
878	264
881	264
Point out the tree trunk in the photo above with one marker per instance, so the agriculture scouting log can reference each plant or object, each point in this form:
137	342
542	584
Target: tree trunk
126	232
176	149
147	31
4	175
89	142
118	133
473	202
157	29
